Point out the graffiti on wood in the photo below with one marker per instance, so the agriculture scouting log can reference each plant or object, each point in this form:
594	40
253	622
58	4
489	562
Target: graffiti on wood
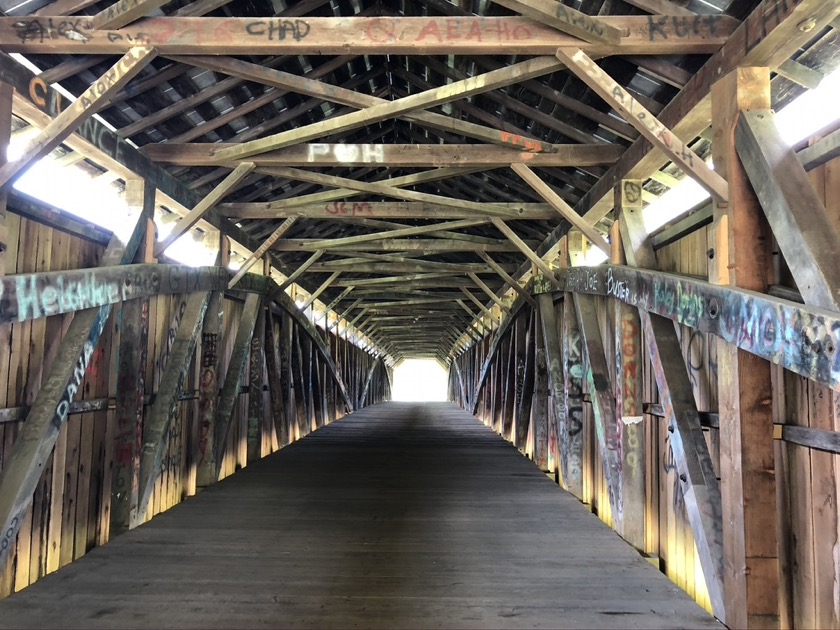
802	339
34	295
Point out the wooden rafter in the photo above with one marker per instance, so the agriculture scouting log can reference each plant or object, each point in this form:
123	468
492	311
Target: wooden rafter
522	246
462	89
261	250
489	292
644	121
757	42
317	293
88	103
297	273
204	206
337	94
564	209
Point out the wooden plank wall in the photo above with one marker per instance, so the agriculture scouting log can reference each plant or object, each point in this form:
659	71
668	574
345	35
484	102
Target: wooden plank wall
70	513
808	479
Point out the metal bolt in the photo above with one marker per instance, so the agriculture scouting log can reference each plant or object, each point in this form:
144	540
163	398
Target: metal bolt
670	428
683	477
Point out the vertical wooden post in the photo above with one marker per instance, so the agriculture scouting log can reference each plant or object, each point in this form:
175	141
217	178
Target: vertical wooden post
630	520
571	448
285	345
556	382
511	376
275	387
748	486
6	92
520	352
131	378
576	252
523	413
255	394
301	395
208	382
539	407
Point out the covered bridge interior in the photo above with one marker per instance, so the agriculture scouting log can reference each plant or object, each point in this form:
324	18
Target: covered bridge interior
304	195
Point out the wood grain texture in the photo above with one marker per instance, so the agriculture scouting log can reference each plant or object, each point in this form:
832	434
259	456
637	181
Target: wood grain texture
394	517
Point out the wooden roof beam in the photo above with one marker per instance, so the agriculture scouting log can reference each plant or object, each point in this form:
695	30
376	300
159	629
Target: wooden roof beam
391	155
83	108
204	206
400	233
297	273
767	38
399	245
336	94
262	249
381	209
522	246
508	279
489	292
323	287
485	209
461	89
565	210
346	191
702	34
645	122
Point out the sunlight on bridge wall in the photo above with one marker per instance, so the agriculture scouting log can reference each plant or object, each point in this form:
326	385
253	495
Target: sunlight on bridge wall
419	380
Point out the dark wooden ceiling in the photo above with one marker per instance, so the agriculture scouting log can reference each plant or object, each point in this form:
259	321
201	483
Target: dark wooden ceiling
409	285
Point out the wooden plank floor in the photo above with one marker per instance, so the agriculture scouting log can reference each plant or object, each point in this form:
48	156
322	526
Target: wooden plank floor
401	515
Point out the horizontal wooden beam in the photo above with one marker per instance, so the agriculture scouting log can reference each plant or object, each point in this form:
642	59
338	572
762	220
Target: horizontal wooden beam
359	35
385	267
34	295
392	155
397	245
400	233
386	189
802	339
382	210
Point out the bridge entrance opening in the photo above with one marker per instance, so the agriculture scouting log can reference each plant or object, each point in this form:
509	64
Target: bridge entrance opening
421	380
